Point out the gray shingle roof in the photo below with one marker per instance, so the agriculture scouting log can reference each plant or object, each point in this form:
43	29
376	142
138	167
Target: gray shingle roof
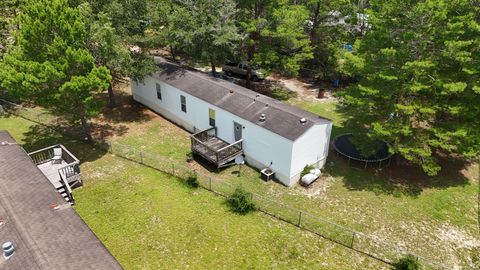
281	118
43	238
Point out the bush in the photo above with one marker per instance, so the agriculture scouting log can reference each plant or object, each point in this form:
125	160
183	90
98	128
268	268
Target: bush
282	94
192	181
408	262
241	202
306	170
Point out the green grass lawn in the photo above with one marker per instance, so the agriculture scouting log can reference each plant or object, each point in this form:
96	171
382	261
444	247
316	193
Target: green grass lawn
433	217
419	213
150	220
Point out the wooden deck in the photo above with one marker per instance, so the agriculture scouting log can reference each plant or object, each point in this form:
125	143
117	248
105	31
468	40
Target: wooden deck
63	175
214	149
51	172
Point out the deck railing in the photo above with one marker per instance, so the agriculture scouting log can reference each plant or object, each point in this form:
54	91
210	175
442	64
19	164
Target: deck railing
205	135
70	172
46	154
220	156
229	151
42	155
200	147
66	185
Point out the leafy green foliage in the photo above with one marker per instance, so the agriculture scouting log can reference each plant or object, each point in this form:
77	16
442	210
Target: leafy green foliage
275	36
418	79
282	93
240	201
205	30
107	45
306	170
9	10
128	17
49	64
142	64
365	145
408	262
192	181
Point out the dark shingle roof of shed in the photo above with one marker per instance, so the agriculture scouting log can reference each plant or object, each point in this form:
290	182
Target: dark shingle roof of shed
281	118
43	238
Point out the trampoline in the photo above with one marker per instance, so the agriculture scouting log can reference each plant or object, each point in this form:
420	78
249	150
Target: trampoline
344	146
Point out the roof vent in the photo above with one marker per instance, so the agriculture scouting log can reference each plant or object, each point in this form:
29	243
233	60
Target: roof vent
303	121
266	104
257	95
231	91
8	250
262	117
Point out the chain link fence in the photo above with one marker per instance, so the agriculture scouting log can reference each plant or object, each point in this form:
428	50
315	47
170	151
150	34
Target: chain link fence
347	237
366	244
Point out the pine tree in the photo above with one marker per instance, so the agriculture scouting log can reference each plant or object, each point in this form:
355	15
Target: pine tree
419	84
275	36
49	64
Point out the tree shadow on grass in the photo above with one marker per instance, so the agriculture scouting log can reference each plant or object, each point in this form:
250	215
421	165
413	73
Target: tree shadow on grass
114	121
39	136
396	180
126	110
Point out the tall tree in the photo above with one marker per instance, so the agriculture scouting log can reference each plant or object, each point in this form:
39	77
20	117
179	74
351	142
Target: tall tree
205	30
327	34
106	47
419	78
9	10
275	36
110	46
49	64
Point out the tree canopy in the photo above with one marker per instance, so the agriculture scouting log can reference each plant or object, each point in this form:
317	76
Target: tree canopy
414	68
203	29
418	72
49	64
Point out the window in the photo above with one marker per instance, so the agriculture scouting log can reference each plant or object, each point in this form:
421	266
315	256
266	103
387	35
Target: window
159	91
184	103
211	117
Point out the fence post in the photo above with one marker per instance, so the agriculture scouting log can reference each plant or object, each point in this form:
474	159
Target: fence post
210	183
299	219
110	146
353	239
173	169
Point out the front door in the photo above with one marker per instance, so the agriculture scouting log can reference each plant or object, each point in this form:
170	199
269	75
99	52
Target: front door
237	131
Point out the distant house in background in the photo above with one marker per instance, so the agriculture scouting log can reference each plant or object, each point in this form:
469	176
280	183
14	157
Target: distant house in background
229	120
36	223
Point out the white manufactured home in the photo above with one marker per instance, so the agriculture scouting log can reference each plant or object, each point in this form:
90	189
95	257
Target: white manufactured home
228	120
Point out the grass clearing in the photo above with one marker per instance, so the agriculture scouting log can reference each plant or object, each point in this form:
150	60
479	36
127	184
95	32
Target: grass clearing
433	217
398	204
150	220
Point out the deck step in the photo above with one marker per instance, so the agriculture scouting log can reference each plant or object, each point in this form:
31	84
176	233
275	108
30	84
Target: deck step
64	194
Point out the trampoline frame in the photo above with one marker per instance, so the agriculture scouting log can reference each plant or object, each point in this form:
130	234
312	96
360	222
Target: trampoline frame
389	157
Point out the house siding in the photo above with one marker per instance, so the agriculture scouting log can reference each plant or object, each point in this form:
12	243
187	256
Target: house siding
310	149
261	146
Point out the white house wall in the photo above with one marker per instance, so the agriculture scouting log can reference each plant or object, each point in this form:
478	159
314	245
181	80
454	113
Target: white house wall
260	145
310	149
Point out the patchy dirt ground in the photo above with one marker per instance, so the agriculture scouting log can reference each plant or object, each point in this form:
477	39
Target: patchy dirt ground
306	90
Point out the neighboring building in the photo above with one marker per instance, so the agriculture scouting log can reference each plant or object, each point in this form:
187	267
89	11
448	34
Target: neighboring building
269	133
45	231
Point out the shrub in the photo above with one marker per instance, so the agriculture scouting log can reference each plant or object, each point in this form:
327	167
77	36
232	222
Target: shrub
282	94
306	170
192	181
408	262
241	201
